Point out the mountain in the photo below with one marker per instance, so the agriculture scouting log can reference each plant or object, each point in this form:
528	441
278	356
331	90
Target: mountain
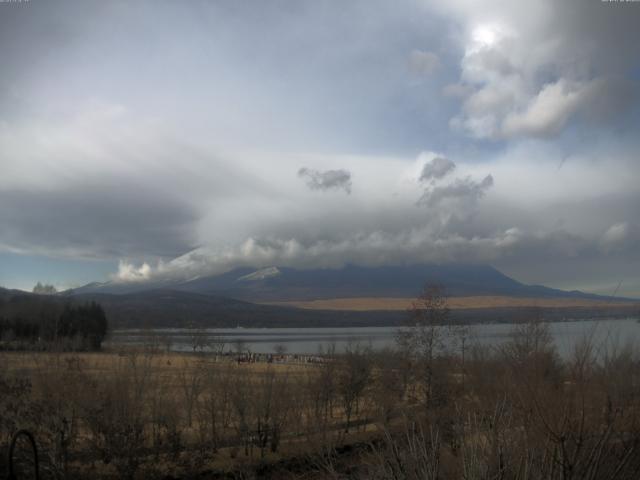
175	309
353	281
6	293
233	298
276	284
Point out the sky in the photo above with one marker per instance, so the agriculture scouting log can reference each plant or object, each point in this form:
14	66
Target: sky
161	139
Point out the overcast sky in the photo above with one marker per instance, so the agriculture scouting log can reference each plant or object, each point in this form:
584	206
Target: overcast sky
160	138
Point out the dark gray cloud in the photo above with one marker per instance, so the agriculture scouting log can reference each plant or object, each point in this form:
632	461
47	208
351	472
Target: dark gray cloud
326	180
107	220
436	169
455	200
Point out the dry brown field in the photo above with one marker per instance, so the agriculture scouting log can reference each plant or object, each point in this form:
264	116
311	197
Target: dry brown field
136	382
164	365
396	303
148	414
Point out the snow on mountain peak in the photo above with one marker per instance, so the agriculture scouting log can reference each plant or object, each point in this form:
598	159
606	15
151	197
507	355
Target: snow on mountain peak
260	274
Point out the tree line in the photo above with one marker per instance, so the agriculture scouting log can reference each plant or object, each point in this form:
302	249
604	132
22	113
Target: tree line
33	322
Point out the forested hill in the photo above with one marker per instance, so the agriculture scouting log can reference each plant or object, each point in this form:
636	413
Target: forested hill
175	309
36	321
170	308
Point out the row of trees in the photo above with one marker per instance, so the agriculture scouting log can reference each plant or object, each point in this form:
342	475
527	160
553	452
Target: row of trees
81	326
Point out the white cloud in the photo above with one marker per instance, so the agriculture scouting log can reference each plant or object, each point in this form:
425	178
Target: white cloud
547	113
412	246
531	71
127	272
248	207
621	237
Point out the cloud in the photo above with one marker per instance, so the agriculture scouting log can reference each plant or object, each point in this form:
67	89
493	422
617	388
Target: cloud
97	220
532	74
102	184
457	90
502	109
528	217
192	173
609	96
373	248
436	169
376	248
455	200
326	180
461	190
621	237
423	62
127	272
547	113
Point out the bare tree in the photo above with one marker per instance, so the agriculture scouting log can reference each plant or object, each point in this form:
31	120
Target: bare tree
354	375
423	339
190	379
390	383
240	347
215	409
198	339
320	387
217	343
410	454
241	403
115	417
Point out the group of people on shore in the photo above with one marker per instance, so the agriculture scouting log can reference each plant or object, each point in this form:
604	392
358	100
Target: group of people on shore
249	357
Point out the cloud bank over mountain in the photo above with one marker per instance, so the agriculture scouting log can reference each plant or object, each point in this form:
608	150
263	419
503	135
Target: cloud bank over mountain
318	135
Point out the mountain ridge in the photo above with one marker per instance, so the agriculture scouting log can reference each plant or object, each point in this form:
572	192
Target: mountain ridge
166	308
274	284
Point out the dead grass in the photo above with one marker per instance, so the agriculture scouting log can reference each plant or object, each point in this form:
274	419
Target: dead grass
396	304
165	374
101	362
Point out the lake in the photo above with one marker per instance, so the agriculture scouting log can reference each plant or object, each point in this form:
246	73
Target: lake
605	333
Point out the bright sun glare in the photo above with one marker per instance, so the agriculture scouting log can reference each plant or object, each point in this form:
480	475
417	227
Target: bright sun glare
485	35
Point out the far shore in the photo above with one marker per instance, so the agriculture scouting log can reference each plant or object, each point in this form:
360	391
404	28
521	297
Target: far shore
362	304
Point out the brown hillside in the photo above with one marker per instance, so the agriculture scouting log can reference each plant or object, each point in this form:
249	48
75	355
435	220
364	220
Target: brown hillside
394	303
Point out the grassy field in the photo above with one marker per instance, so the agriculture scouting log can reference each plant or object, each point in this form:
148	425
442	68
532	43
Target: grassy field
178	413
165	364
432	413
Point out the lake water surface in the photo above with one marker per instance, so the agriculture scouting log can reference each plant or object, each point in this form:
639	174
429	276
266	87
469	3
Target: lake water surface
604	333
